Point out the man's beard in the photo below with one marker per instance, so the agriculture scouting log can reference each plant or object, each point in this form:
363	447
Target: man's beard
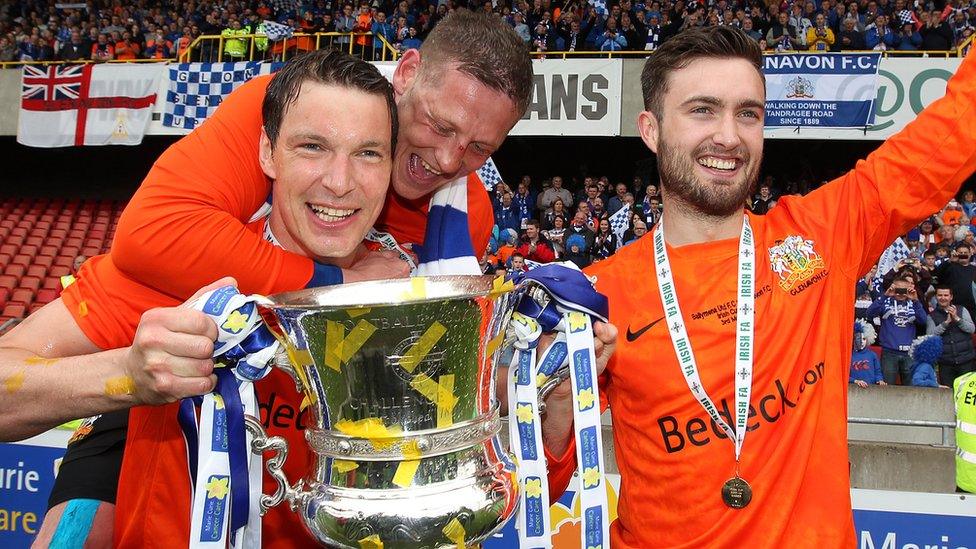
678	177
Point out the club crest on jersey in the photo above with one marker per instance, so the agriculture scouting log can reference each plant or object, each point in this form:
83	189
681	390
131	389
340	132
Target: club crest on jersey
794	260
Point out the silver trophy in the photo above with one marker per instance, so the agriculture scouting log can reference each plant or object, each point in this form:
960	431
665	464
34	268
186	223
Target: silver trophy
400	377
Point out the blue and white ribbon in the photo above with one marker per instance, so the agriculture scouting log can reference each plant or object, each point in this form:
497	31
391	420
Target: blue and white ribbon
447	247
572	303
226	475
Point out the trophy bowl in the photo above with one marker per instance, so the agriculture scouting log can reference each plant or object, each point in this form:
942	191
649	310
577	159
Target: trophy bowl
400	380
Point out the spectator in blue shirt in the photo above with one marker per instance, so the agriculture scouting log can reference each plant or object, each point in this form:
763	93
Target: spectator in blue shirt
507	215
382	28
878	36
926	350
411	42
865	366
908	39
611	39
901	313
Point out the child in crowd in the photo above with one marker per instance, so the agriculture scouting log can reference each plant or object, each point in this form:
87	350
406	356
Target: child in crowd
865	366
925	351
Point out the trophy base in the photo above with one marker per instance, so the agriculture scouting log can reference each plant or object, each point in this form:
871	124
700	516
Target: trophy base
463	511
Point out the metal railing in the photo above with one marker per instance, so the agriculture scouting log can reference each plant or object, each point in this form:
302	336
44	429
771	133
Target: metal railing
211	48
9	324
948	427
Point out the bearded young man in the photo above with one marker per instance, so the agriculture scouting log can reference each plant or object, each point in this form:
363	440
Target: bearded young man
734	319
330	122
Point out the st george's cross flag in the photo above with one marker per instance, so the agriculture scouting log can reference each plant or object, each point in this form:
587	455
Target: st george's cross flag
63	106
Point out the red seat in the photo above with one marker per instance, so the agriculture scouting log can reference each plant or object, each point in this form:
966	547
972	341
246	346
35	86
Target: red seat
22	259
19	231
22	295
8	223
4	296
58	233
5	259
9	249
34	240
8	282
89	251
63	225
52	283
70	252
72	242
29	252
46	295
59	270
15	270
51	251
63	261
14	239
35	270
44	261
14	310
32	283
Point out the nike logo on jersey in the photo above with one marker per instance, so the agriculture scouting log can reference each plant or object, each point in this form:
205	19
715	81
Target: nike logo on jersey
632	336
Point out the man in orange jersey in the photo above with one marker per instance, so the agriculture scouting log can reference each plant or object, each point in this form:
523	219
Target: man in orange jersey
328	142
729	382
189	225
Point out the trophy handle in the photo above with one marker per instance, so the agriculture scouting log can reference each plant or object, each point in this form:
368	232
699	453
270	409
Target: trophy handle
262	443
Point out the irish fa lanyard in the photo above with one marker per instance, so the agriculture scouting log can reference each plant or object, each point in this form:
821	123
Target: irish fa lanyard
736	492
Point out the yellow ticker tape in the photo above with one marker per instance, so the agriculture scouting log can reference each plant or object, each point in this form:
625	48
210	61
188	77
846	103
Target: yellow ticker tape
340	348
500	286
405	473
494	343
344	466
82	308
422	347
371	542
372	429
445	401
124	385
455	532
14	382
40	360
299	359
358	312
418	289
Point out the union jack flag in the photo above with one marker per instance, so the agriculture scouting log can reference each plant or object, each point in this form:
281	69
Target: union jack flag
53	83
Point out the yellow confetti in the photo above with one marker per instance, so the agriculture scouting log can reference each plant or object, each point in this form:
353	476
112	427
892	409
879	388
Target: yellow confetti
454	531
405	472
122	385
371	542
500	286
304	404
445	401
14	382
344	466
356	313
371	429
422	347
299	359
494	343
335	335
340	348
411	450
83	308
41	360
355	340
418	289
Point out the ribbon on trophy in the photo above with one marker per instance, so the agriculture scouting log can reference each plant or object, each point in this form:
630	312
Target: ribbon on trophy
563	301
226	475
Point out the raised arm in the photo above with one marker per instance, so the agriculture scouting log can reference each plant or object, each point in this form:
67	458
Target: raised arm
195	202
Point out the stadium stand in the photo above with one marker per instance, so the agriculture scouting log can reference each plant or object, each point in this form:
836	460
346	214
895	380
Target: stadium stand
39	241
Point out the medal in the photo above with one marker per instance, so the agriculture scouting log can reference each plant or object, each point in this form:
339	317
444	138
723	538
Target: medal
736	492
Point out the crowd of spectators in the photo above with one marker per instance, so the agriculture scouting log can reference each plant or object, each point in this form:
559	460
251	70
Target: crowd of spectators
99	30
551	222
929	291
